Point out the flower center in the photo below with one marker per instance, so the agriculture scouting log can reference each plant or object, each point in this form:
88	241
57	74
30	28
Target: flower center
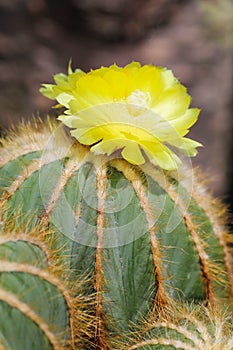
137	101
139	97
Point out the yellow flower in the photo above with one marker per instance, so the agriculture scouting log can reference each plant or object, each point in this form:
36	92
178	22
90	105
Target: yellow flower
139	110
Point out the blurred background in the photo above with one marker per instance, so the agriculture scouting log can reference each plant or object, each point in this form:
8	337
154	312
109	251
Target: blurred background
191	37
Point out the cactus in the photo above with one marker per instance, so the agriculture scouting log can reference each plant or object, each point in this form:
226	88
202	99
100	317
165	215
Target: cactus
142	236
135	264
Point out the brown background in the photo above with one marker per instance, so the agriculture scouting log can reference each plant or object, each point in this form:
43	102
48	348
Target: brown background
193	38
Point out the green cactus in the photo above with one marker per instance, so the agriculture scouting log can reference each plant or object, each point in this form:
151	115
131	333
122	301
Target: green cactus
133	231
137	234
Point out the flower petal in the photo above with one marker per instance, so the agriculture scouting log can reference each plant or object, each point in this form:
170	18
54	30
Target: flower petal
47	90
173	102
147	79
183	123
64	99
91	91
118	83
132	153
160	155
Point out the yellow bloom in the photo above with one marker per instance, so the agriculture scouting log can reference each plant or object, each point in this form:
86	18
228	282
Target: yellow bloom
139	110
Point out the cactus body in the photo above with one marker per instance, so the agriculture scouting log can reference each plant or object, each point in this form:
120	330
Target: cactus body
138	232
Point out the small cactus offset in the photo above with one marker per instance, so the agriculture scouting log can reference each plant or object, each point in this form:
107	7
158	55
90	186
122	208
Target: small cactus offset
119	208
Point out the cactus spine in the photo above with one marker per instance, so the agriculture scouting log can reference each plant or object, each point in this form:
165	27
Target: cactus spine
137	234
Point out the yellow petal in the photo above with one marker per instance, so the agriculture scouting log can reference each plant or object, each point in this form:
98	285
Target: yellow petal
60	79
68	120
164	160
130	149
93	90
173	102
64	99
47	90
78	105
100	72
118	83
160	155
133	66
189	147
183	123
131	69
74	77
132	153
107	147
168	78
148	80
87	136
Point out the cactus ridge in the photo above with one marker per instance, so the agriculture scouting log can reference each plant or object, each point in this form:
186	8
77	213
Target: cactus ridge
13	302
138	233
139	189
183	327
23	274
